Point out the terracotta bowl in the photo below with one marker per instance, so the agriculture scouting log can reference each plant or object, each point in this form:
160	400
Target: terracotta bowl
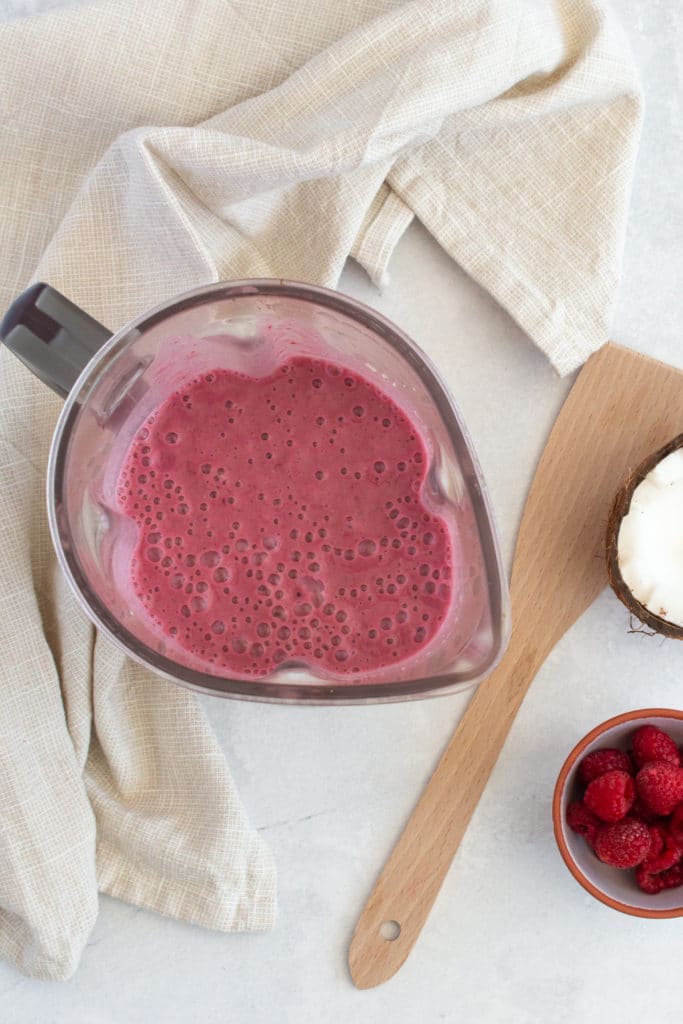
617	889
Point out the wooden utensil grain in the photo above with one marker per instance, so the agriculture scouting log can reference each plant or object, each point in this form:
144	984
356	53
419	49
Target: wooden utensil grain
622	406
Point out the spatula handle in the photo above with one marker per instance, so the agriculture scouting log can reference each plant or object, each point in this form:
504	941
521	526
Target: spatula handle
622	407
413	875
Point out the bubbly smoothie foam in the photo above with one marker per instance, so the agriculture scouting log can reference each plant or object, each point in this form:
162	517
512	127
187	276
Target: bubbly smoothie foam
281	520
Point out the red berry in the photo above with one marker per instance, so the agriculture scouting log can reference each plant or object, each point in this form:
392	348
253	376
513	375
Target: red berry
664	850
657	841
673	877
641	812
598	762
649	883
676	824
623	844
652	744
652	884
610	796
583	821
660	785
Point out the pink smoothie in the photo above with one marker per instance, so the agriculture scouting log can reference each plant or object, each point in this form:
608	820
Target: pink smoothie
281	520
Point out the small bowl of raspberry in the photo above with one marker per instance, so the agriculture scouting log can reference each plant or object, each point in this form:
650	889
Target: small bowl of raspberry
618	813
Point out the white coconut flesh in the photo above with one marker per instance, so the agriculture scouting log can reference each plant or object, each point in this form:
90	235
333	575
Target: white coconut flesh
650	542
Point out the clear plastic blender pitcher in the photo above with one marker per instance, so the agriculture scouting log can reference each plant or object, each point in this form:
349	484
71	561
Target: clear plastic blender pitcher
112	383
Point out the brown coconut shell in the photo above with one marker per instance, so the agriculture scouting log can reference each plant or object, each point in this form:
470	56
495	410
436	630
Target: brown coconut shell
620	508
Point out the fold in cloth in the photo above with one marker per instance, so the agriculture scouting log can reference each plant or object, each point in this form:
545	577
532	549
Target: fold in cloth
150	149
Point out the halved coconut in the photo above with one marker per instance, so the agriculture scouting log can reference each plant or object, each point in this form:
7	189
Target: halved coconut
645	541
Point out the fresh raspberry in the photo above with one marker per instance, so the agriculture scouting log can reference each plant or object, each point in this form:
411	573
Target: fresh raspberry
583	821
664	850
657	843
641	812
652	884
652	744
660	785
673	877
611	795
598	762
676	824
623	844
649	883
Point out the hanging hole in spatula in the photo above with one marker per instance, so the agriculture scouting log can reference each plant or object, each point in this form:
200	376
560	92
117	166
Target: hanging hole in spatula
390	930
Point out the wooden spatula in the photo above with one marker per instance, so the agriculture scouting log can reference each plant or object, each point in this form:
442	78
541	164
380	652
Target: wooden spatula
622	406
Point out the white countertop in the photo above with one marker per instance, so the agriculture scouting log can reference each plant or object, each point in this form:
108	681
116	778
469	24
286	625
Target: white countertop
512	938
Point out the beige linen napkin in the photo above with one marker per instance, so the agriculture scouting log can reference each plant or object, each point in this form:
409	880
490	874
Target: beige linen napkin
149	148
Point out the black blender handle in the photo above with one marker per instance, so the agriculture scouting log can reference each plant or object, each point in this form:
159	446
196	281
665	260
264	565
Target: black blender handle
51	336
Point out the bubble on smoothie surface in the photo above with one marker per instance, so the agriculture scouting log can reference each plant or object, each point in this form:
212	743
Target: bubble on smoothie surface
280	520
